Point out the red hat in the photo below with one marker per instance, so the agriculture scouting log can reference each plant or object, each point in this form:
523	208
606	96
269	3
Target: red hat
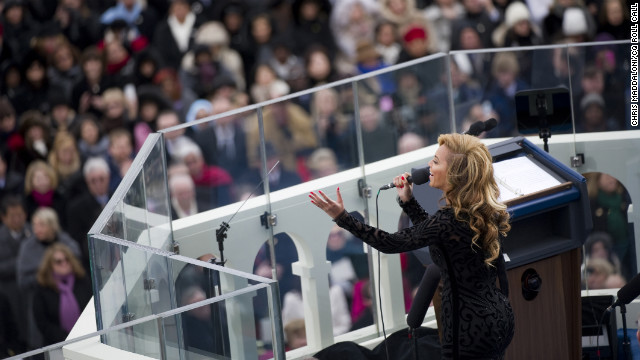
415	32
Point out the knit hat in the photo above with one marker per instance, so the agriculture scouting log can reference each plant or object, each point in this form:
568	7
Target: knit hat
415	32
574	22
212	33
591	99
515	13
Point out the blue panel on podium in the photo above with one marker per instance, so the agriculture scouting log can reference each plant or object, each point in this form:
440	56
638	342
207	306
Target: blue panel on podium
548	222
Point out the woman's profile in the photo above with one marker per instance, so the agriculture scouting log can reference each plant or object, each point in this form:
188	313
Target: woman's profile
463	239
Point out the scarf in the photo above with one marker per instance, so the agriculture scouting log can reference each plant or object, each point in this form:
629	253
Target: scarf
69	310
43	199
182	31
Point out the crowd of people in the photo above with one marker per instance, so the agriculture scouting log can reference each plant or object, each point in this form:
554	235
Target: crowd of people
84	82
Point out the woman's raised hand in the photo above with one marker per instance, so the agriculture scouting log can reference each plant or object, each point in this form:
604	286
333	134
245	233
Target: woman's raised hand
403	187
331	207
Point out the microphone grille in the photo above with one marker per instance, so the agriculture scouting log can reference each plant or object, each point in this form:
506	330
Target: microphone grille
420	176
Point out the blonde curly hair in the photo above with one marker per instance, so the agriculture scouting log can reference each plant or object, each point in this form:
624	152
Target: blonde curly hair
473	192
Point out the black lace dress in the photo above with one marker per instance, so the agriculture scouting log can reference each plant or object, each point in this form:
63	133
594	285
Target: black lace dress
477	320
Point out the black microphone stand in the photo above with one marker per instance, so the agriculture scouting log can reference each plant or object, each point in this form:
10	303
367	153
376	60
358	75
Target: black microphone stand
626	343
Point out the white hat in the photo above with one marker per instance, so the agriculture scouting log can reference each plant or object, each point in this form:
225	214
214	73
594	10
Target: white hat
574	22
516	12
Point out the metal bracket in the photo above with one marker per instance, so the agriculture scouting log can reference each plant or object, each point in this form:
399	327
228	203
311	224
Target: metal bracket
577	160
176	248
149	284
363	189
128	317
267	220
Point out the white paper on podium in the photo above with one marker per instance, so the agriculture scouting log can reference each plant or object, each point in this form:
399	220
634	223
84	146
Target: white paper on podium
520	176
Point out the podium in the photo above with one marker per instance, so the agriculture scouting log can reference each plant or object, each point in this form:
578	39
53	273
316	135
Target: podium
548	229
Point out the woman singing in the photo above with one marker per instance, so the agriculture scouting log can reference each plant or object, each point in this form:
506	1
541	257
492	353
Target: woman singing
477	319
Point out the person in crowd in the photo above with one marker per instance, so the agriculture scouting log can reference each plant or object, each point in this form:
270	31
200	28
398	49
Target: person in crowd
78	22
287	126
86	95
599	245
264	79
10	139
409	142
62	292
35	140
177	90
311	26
86	206
415	43
201	326
376	141
41	190
213	37
322	162
142	19
609	202
598	270
319	67
361	310
151	102
65	68
11	77
33	93
46	232
614	19
288	66
120	157
182	190
117	110
11	182
293	309
65	160
91	141
467	228
352	21
147	65
13	232
553	24
18	28
577	25
386	42
61	116
213	183
442	14
595	116
332	125
505	70
174	36
229	140
482	16
261	35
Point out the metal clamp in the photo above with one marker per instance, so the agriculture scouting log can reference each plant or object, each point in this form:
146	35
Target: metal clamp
577	160
363	189
149	284
267	220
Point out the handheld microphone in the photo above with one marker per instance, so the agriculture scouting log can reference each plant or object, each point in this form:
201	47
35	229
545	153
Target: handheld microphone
424	295
418	176
475	129
490	124
627	293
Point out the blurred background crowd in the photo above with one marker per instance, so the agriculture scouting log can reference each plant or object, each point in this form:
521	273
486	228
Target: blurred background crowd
84	82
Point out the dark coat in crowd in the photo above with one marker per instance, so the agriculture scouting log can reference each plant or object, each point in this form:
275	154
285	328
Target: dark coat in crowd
46	307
